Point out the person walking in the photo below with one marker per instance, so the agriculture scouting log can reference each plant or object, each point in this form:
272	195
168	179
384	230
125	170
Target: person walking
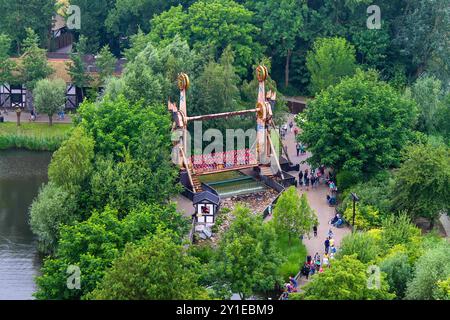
330	234
297	146
300	179
313	181
315	231
291	126
306	178
327	245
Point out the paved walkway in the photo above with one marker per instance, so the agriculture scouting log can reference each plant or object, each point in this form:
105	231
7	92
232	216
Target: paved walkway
318	201
25	117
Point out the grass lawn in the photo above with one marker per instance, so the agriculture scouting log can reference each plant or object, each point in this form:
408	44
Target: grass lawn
33	136
295	255
35	129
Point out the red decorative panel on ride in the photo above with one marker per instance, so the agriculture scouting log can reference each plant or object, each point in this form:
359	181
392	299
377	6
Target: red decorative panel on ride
223	160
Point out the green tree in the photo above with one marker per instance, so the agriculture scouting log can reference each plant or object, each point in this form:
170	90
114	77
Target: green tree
430	269
34	64
246	260
133	148
398	272
422	30
93	27
330	60
76	68
71	164
443	290
359	125
212	25
7	65
168	25
442	116
222	23
152	73
428	93
346	280
216	90
106	64
362	245
129	15
17	16
418	193
282	24
146	271
372	46
50	97
398	230
293	215
92	245
53	208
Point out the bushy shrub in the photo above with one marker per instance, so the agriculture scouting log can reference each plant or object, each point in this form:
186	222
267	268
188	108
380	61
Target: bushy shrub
366	217
398	272
53	208
430	270
363	245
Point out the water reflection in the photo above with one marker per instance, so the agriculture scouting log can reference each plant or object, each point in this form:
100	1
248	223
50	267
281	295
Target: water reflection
21	175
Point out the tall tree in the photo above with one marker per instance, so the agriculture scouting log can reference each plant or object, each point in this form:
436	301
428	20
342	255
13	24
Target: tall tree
330	60
76	67
7	65
168	24
211	27
106	64
359	125
293	215
282	24
92	245
424	35
417	192
246	261
34	64
427	92
128	15
72	164
93	17
342	282
430	269
146	271
53	208
17	16
50	97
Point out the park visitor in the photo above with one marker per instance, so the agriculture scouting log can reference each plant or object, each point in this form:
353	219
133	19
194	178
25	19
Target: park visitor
327	245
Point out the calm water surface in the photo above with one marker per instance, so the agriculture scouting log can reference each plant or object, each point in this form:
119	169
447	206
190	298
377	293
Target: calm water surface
21	175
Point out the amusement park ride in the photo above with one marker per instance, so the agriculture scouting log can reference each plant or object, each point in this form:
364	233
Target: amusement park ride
262	155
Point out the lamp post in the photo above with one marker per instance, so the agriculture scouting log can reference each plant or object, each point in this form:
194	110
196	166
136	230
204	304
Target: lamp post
355	199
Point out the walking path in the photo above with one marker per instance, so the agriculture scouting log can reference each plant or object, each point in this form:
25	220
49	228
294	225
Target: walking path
25	117
318	201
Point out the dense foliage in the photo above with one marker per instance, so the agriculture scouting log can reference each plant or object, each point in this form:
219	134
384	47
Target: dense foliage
157	268
359	125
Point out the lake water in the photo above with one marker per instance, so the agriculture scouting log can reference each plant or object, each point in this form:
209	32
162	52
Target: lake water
21	175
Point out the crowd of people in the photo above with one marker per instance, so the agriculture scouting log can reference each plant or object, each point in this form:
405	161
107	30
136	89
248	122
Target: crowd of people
317	263
314	177
313	265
